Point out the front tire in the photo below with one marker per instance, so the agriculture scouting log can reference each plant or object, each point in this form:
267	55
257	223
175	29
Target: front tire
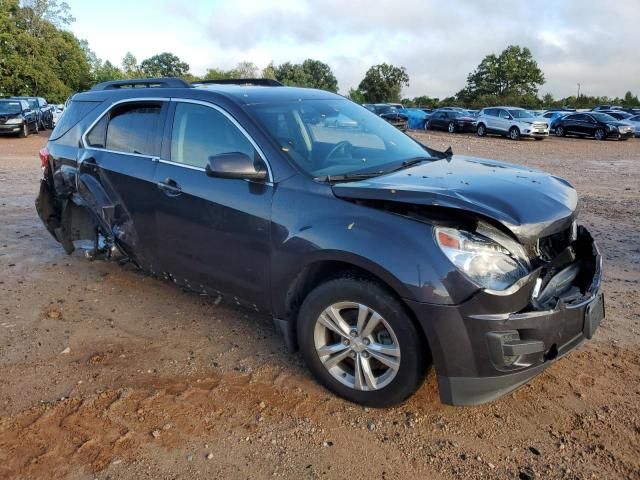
24	131
451	128
359	342
427	125
599	134
514	133
560	131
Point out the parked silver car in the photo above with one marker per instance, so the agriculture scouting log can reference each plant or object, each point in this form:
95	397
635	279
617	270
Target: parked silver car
635	121
512	122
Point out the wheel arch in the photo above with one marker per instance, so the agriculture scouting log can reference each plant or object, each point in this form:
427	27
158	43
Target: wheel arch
322	270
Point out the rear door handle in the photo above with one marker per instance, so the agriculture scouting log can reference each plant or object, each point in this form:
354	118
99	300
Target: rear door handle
170	187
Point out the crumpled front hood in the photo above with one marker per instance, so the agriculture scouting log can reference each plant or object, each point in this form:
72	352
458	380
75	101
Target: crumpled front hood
530	203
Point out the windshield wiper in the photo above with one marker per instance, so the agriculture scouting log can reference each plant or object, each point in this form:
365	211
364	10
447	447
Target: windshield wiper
347	177
411	162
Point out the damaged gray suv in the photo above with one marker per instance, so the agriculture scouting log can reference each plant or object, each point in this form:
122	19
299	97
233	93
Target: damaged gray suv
377	257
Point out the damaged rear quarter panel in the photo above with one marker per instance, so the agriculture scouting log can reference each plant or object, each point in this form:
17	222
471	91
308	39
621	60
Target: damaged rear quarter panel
119	190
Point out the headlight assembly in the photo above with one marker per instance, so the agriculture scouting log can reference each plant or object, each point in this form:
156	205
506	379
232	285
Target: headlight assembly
488	257
13	121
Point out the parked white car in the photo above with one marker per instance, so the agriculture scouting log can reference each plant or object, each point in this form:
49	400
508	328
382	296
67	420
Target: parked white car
512	122
57	113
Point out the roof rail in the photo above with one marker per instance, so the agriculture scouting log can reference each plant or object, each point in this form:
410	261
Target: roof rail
263	82
143	83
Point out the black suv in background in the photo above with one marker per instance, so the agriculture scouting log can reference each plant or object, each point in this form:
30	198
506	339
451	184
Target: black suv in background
390	113
592	124
16	117
376	256
451	120
40	106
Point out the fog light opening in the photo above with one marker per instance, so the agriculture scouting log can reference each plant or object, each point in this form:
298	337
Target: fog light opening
552	353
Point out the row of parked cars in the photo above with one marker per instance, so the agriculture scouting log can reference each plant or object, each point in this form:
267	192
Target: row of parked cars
602	122
25	115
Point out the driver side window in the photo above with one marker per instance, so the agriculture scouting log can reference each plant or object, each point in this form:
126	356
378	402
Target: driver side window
200	131
504	114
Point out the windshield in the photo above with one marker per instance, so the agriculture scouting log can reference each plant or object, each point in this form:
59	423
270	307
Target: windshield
603	117
335	137
521	114
10	107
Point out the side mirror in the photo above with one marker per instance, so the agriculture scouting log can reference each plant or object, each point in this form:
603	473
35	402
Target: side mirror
236	165
26	111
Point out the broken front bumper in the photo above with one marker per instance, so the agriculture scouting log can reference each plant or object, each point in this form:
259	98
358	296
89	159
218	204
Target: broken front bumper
497	341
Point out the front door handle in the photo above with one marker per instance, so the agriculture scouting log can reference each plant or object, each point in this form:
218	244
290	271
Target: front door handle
170	187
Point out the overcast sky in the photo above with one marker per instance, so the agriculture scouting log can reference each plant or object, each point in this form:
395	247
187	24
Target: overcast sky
439	42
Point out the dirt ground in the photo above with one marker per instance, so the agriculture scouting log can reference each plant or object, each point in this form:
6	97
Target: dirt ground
106	373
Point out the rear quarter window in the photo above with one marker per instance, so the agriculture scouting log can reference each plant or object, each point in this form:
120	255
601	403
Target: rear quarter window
75	111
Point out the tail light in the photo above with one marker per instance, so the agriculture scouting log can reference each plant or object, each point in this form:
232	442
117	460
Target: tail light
44	158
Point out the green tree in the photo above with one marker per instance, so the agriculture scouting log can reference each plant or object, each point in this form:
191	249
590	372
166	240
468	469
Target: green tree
512	73
246	70
383	83
319	75
130	67
630	100
164	65
355	95
548	100
108	71
218	74
425	101
269	71
54	12
36	56
310	73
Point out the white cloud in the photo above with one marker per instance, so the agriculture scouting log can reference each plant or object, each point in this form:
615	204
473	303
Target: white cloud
439	42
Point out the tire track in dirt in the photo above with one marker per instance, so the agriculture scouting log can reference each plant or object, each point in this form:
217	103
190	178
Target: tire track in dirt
50	441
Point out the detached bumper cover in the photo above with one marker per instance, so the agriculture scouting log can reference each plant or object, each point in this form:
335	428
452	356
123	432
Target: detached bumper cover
496	341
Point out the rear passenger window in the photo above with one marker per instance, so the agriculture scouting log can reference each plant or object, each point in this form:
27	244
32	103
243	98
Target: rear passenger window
133	128
200	132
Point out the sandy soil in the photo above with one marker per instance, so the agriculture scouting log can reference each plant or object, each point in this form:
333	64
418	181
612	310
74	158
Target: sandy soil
106	373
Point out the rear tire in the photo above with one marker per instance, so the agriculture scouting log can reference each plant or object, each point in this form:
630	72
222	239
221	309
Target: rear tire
451	128
427	125
482	130
514	133
369	319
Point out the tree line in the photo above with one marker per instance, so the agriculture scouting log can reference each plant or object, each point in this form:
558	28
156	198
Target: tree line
40	57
